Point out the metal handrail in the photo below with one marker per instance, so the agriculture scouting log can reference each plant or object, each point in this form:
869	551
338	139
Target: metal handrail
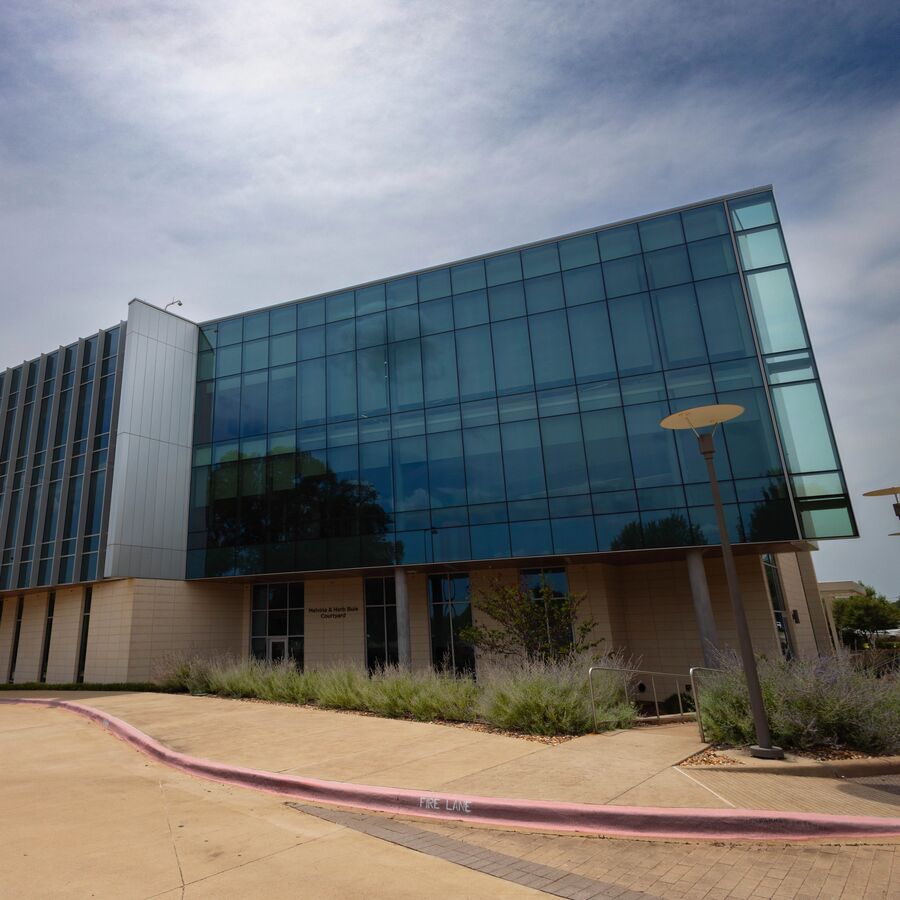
695	691
629	673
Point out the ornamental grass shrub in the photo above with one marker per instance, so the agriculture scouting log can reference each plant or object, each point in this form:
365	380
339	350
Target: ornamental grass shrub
528	696
551	697
810	703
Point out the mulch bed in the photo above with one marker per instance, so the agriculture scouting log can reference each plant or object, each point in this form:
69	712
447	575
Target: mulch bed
714	755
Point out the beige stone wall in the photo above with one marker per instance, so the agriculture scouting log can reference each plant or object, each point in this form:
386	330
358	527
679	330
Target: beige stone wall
334	622
419	624
63	660
603	603
826	635
109	632
7	629
183	618
136	623
31	638
804	639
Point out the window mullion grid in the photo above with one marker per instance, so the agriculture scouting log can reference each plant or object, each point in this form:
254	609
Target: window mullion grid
77	388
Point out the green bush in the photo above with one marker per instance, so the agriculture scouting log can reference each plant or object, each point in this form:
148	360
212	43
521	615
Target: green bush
550	697
824	702
533	697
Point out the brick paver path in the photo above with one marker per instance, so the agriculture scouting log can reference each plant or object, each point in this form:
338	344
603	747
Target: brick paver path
586	867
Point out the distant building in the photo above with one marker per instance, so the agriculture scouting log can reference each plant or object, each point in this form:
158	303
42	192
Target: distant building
830	591
329	478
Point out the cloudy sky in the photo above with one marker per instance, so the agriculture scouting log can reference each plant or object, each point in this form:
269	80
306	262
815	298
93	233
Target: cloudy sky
236	154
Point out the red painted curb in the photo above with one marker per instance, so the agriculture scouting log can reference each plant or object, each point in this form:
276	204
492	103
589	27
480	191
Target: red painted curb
583	818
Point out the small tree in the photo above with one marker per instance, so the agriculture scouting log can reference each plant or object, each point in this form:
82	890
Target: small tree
536	624
864	615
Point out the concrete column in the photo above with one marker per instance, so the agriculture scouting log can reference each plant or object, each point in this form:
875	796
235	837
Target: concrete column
404	645
709	637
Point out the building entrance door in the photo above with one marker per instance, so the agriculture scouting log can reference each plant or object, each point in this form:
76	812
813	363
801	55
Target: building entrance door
277	649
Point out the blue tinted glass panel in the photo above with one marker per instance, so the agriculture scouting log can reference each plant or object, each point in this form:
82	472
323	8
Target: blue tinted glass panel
620	531
371	330
689	382
502	269
256	355
436	316
643	388
375	472
654	459
543	293
634	335
712	257
230	332
405	365
410	474
340	306
283	319
618	242
667	267
439	369
681	341
282	349
254	393
523	460
489	541
311	313
446	472
340	336
760	249
574	535
663	231
787	367
750	437
403	323
507	301
592	348
624	276
704	222
583	285
450	543
606	447
550	351
227	413
531	538
282	398
341	374
228	361
401	292
579	251
256	326
370	299
467	277
540	260
776	310
723	312
434	284
753	212
372	381
564	456
311	396
470	309
484	464
311	343
803	424
512	357
475	363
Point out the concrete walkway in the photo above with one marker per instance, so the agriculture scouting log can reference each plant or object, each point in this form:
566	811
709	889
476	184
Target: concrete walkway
628	768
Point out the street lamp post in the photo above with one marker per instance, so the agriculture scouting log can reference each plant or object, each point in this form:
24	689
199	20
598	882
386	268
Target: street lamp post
711	417
887	492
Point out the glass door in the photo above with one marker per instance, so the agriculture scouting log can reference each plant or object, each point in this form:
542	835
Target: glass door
277	649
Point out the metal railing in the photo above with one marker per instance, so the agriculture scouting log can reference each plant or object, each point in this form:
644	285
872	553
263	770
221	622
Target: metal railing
695	691
628	675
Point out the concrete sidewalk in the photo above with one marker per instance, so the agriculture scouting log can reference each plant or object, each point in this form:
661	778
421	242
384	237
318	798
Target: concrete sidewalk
636	767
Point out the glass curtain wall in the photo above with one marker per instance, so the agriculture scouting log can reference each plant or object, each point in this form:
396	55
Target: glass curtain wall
56	416
450	610
810	451
503	407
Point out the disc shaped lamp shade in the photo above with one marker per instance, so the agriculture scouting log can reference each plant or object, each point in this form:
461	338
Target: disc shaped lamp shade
702	416
884	492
